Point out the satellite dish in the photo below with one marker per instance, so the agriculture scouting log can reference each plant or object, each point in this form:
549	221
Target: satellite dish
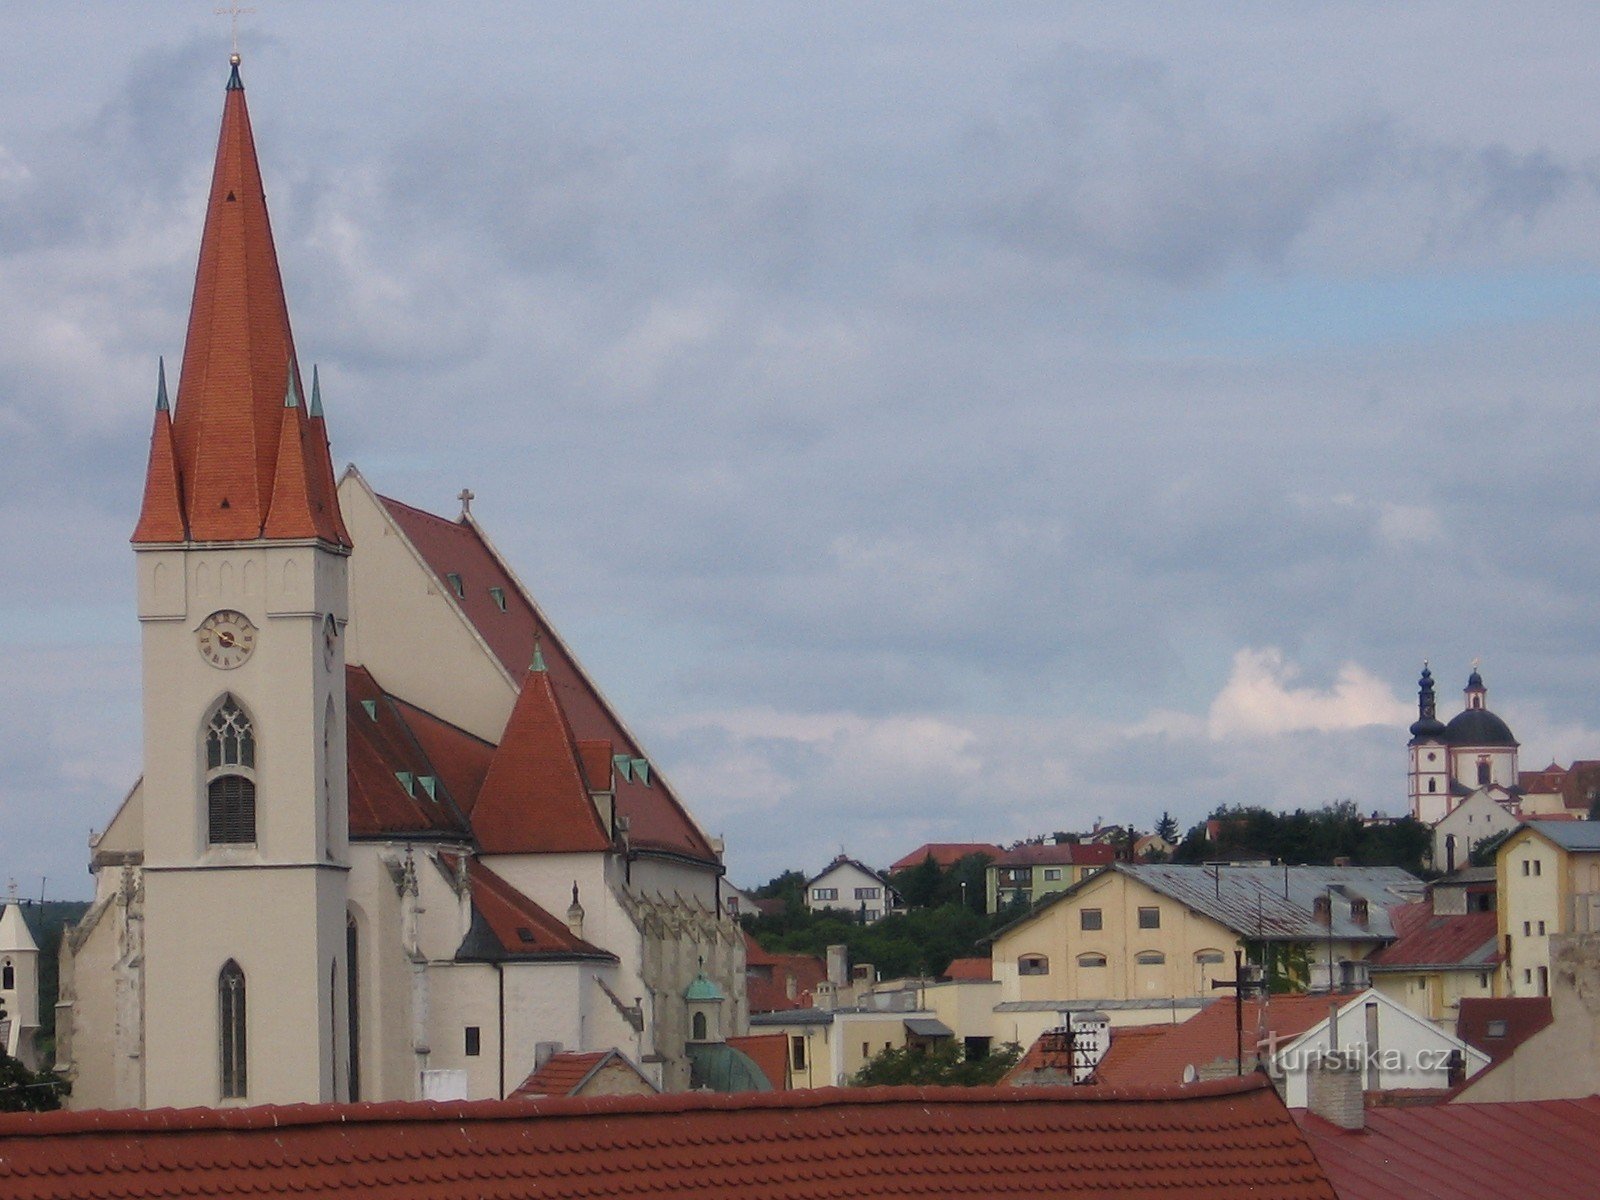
1190	1075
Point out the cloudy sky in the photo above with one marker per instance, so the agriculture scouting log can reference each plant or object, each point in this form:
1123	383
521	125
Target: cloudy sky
928	422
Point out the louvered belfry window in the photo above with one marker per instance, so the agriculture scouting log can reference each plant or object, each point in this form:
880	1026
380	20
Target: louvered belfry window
230	766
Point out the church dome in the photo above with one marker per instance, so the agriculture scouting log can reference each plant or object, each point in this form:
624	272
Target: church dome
1478	727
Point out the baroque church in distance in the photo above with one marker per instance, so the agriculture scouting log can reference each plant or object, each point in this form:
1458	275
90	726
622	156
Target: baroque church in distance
390	841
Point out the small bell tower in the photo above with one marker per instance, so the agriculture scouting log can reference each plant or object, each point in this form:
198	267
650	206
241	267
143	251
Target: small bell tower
1429	774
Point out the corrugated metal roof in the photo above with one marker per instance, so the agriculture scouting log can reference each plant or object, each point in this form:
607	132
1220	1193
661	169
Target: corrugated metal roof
1279	903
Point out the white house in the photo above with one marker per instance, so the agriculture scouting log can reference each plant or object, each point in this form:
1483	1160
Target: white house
848	886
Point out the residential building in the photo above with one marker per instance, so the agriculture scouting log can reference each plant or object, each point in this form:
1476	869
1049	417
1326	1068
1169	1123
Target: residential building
1154	933
848	886
889	1143
389	839
1442	955
946	854
1548	882
1500	1024
779	982
1285	1035
1025	874
1483	815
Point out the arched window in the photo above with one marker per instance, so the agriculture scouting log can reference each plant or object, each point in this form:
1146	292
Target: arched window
699	1034
230	776
1207	958
1433	785
1150	958
8	976
352	945
232	1050
1033	964
1091	960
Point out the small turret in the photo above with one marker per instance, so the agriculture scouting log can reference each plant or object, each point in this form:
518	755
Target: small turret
19	987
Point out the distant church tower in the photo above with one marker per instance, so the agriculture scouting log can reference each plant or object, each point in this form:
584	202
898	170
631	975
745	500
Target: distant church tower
19	987
1430	763
241	561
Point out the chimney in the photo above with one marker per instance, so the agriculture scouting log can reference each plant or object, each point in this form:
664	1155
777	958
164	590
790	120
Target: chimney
839	965
543	1052
1333	1090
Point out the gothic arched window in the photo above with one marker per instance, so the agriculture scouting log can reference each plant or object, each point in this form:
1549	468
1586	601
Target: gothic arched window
230	775
231	1043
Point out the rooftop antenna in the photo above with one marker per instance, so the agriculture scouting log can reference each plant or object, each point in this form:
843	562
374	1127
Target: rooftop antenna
234	11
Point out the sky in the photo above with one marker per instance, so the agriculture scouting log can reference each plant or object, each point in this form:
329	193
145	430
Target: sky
926	421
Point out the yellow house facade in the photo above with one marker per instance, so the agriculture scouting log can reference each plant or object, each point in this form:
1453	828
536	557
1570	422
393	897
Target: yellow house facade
1548	877
1149	932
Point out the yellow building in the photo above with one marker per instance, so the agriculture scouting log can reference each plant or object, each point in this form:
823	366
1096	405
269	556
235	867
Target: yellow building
1548	877
1146	932
1448	949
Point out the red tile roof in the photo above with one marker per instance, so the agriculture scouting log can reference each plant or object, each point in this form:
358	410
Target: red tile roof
1062	854
241	455
656	819
161	513
506	924
1209	1037
1428	939
946	854
767	977
970	968
562	1074
1524	1016
1211	1141
1544	1148
1126	1042
382	746
534	799
770	1052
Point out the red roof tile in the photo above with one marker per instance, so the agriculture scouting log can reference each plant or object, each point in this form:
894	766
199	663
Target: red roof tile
534	799
1063	854
1126	1042
562	1074
768	976
518	927
970	968
379	748
656	819
770	1052
1209	1037
237	361
1544	1148
1428	939
1210	1141
1524	1016
946	854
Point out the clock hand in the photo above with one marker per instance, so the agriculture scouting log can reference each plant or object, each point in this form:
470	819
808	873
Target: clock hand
225	638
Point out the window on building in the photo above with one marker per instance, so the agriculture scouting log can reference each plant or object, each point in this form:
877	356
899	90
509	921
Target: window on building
1483	979
230	770
1541	928
1052	874
1091	960
1433	785
231	1013
976	1048
698	1027
1538	867
1090	919
1544	981
8	976
1033	964
866	1050
352	999
473	1041
1150	958
1209	958
1527	929
824	893
1149	918
868	893
455	584
498	595
1483	771
1495	1029
1527	974
797	1052
1527	869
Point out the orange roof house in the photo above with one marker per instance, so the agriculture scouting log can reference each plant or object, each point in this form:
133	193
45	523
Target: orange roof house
1216	1140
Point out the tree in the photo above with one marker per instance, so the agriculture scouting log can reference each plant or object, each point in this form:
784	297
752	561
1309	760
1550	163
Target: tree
788	886
22	1090
921	886
1167	828
944	1062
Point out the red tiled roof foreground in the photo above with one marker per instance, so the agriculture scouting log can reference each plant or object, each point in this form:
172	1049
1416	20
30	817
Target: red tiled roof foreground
1218	1140
1544	1148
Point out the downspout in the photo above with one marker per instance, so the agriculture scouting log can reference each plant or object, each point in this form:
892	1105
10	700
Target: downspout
500	1041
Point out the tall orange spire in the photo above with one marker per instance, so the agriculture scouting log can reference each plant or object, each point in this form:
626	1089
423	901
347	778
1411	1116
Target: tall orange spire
231	426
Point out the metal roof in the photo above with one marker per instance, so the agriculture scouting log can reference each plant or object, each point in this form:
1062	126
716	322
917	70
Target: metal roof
1569	835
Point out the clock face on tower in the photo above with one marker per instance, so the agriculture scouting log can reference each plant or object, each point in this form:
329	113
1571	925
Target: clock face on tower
226	638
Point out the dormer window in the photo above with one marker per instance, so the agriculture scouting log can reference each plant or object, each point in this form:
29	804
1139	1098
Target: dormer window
456	585
498	595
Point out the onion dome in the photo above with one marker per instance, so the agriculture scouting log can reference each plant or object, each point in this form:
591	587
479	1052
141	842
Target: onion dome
1427	727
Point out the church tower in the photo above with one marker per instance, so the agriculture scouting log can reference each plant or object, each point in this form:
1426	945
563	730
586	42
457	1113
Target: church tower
242	557
1430	764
